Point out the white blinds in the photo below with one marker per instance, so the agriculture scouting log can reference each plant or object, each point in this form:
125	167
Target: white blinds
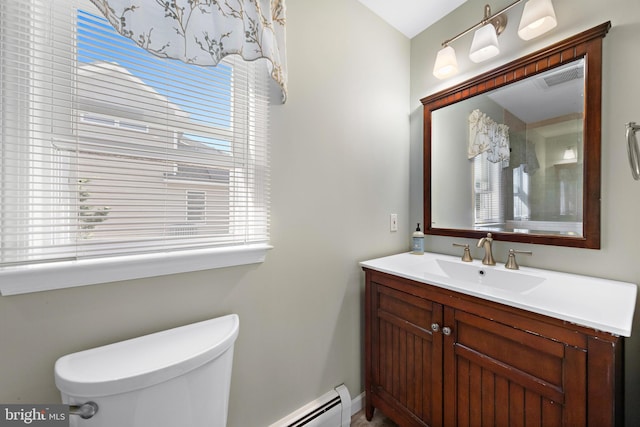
488	190
107	150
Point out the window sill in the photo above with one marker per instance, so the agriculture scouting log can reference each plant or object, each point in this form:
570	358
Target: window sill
45	277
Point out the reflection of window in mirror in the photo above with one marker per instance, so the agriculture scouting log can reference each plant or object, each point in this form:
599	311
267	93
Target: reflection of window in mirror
487	194
490	185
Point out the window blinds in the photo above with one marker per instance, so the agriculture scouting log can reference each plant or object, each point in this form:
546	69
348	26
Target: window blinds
109	150
488	190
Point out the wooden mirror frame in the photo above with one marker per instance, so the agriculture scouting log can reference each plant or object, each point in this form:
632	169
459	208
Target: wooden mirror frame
587	45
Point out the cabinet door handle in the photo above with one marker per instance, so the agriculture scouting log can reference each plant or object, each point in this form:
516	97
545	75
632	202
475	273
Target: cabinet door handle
446	330
435	327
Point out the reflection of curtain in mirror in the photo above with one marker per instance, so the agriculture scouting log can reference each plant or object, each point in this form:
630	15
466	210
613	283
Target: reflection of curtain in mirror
485	135
489	148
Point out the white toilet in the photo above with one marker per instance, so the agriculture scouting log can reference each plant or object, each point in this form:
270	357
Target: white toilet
175	378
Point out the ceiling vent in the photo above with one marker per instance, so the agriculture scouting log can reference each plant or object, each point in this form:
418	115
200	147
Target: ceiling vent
562	76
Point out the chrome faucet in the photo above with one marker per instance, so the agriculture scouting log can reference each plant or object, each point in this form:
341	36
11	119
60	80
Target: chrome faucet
485	243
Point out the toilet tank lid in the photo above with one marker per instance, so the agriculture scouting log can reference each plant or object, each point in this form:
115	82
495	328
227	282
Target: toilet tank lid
144	361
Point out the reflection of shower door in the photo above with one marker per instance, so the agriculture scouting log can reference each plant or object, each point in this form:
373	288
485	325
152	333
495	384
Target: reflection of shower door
521	210
568	190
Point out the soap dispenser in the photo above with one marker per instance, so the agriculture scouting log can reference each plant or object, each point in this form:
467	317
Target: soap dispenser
418	241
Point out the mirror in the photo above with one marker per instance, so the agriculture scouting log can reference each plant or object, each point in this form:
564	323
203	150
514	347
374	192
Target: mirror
520	166
516	151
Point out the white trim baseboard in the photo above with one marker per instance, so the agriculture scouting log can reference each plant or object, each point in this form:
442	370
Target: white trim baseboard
356	404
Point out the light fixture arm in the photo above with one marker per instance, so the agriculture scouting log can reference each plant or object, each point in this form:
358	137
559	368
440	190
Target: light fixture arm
497	19
538	17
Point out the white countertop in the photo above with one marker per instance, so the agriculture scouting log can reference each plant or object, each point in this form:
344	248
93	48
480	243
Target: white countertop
602	304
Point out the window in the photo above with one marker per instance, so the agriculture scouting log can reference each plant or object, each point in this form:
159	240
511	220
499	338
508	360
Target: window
113	122
196	206
103	145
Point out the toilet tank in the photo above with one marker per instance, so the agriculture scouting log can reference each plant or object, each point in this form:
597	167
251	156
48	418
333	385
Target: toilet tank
178	377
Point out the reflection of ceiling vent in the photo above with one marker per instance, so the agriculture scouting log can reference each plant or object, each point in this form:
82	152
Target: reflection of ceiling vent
562	76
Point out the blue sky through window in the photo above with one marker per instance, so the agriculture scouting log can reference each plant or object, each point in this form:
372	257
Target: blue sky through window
182	84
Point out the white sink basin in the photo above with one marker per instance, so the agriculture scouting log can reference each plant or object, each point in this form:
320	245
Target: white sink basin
514	281
603	304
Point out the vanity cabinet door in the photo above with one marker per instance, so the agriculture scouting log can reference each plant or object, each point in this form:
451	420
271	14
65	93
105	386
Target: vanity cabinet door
404	357
483	363
499	375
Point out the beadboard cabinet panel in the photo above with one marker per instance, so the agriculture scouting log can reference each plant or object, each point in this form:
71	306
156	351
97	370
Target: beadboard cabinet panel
438	358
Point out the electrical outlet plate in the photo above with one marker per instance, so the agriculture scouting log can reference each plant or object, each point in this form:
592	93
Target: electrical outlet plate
393	226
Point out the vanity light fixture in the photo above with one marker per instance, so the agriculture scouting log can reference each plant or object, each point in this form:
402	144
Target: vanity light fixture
538	17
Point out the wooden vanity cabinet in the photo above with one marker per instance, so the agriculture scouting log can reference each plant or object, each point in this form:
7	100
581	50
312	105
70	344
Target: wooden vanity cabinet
435	357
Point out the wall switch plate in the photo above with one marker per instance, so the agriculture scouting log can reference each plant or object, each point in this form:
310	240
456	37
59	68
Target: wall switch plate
393	226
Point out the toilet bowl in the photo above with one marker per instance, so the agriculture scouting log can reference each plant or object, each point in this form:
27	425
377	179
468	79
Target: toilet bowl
174	378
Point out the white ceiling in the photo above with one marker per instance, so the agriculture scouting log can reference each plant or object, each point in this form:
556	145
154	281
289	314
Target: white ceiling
411	17
528	99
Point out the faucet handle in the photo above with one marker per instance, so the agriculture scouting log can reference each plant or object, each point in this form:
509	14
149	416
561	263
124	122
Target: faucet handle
466	257
511	263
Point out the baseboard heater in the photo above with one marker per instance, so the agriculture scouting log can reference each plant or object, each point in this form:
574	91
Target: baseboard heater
332	409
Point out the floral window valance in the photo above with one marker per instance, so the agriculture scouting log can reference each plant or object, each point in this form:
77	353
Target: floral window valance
202	32
487	135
